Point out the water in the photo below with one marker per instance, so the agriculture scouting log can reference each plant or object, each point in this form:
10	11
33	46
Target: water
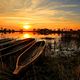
62	53
18	35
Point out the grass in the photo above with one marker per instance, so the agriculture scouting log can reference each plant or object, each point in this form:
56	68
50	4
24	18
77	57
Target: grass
49	68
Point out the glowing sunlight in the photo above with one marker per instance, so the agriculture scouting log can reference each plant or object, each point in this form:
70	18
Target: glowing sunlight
26	26
26	36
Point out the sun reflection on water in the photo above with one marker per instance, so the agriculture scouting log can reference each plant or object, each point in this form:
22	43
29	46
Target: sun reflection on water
26	36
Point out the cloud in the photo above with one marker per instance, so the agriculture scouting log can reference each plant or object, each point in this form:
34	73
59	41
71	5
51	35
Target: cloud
40	10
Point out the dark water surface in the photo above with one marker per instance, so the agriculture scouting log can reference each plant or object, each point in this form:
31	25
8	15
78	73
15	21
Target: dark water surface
61	59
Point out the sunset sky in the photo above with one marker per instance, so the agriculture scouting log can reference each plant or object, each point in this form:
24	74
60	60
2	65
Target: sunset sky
40	13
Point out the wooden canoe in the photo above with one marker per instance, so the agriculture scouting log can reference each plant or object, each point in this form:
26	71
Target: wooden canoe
17	47
29	56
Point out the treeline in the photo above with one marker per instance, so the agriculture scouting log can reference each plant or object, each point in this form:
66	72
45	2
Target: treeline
5	30
42	31
59	31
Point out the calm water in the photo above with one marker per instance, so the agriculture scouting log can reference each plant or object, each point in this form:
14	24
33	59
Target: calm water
57	45
18	35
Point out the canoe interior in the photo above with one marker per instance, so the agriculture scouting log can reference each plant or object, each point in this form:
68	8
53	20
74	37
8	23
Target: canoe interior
26	56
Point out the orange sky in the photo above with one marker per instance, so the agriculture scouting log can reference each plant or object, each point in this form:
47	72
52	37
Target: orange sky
61	25
50	14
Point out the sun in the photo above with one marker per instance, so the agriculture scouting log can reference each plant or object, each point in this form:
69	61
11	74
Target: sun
26	26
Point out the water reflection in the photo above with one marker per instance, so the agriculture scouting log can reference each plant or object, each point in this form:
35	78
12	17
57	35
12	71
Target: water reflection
62	46
66	45
11	35
18	35
27	36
